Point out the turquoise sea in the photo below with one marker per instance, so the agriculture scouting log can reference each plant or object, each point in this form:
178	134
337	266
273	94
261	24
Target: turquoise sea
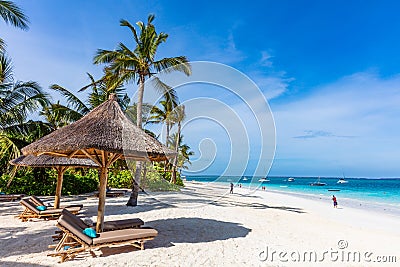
382	192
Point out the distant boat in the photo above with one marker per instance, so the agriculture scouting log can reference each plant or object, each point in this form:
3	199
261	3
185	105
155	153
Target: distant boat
318	183
290	179
264	180
342	181
245	179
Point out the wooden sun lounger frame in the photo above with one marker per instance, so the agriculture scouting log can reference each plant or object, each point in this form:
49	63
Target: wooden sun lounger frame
69	239
11	197
29	214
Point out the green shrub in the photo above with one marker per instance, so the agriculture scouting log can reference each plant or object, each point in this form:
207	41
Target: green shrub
167	175
75	183
43	182
120	179
154	181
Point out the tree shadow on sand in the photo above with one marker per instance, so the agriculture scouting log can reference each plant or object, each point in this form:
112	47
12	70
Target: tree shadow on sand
20	264
196	199
10	208
185	230
42	238
194	230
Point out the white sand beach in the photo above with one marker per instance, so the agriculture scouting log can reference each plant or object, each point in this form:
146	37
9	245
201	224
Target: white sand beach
205	226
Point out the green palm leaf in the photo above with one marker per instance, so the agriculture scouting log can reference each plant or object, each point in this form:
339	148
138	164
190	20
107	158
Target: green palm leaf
13	15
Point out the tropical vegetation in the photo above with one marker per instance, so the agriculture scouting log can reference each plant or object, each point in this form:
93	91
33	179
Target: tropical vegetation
20	101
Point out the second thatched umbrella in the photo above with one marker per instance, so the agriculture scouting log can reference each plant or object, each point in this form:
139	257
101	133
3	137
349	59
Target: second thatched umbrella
60	164
103	135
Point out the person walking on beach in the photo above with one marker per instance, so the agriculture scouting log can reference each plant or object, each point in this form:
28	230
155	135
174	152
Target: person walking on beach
334	201
231	192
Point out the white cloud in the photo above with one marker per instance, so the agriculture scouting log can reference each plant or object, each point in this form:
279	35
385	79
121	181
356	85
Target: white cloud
266	59
352	123
272	85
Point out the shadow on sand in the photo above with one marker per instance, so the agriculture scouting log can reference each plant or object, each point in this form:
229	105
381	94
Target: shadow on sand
194	230
20	264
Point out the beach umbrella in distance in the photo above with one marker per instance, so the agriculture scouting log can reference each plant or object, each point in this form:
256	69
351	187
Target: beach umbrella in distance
60	164
104	135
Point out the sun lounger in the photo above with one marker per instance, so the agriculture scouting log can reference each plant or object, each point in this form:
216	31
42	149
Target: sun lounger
39	202
31	211
108	225
12	197
113	193
74	241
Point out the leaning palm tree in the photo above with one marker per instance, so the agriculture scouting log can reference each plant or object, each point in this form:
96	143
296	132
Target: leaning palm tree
13	15
138	65
178	117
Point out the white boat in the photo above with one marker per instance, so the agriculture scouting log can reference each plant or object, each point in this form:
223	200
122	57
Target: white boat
342	181
264	180
245	179
290	179
318	183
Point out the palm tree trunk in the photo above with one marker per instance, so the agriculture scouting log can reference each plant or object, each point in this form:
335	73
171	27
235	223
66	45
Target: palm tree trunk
139	110
166	144
136	181
167	134
173	178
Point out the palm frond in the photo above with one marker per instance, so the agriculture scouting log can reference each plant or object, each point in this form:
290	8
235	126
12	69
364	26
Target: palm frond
168	92
173	64
72	101
6	69
2	45
93	82
13	15
104	56
133	30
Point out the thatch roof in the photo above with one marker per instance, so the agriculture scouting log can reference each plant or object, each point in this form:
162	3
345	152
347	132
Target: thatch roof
105	128
50	161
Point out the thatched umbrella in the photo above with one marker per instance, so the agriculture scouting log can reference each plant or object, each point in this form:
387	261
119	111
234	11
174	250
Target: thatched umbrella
60	164
103	135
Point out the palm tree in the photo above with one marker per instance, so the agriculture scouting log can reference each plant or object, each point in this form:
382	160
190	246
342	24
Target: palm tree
13	15
184	152
164	114
139	64
178	117
17	100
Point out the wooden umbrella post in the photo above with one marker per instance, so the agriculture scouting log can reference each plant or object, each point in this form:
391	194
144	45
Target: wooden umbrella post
102	192
60	178
102	199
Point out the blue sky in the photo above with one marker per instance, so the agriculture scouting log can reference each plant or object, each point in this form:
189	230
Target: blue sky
329	69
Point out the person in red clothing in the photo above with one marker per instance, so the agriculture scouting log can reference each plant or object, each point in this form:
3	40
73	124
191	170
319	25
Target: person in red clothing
334	201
